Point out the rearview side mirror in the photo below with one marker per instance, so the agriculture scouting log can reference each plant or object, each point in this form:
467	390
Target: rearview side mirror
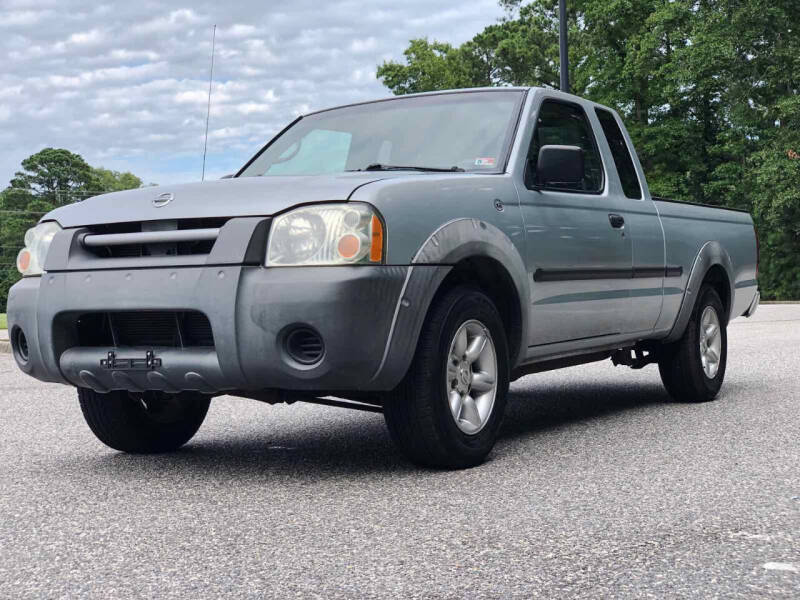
560	166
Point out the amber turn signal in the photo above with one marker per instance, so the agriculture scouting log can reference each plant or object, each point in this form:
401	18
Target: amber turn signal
24	260
376	247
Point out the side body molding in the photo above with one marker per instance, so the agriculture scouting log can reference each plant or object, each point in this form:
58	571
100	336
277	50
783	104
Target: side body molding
452	242
711	254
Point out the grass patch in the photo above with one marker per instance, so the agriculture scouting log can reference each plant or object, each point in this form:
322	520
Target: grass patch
3	322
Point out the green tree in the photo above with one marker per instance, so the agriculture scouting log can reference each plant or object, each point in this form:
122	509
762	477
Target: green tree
114	181
707	88
51	172
433	66
47	179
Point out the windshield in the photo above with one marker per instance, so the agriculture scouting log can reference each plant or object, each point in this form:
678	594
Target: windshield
468	131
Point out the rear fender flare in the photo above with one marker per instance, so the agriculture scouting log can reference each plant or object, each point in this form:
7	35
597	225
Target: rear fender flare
710	255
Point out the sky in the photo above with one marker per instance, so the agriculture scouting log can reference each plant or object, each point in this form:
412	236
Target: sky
125	84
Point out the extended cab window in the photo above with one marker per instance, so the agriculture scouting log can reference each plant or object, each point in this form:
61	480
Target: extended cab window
621	154
562	124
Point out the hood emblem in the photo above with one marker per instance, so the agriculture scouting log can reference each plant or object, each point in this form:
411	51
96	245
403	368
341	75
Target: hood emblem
163	199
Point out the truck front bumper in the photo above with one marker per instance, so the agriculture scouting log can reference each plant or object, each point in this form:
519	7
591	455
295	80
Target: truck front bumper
367	332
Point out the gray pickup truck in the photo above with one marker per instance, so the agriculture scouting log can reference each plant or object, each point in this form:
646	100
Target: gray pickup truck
409	256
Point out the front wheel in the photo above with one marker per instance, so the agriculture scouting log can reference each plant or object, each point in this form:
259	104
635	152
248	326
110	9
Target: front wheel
143	423
693	368
448	410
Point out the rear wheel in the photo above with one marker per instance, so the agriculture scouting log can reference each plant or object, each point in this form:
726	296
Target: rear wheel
143	423
693	368
448	409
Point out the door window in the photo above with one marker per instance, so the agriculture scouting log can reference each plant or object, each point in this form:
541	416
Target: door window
564	124
621	154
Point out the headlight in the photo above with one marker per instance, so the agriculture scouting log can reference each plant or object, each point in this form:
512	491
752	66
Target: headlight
326	234
30	260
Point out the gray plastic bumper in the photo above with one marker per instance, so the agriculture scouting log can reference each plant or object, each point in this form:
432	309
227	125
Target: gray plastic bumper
368	336
753	305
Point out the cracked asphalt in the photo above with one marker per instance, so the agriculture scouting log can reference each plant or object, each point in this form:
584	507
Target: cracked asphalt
599	487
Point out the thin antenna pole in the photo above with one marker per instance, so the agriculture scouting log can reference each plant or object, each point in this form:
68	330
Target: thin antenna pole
563	53
208	110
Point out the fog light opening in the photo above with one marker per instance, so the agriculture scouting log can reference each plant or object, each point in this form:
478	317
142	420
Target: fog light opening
304	345
19	343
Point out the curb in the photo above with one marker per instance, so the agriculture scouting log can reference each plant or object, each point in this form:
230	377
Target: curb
5	347
780	302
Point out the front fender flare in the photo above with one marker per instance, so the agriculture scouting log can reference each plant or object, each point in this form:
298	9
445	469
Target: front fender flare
452	242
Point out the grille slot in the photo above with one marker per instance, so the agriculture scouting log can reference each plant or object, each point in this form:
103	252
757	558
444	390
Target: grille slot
174	329
183	247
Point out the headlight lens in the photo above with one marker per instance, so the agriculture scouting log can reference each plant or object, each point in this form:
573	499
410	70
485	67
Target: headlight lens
326	234
30	260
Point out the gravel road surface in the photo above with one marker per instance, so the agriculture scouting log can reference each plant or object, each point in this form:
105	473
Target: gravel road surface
599	487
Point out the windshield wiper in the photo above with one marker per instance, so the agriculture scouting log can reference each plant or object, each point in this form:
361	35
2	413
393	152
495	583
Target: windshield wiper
382	167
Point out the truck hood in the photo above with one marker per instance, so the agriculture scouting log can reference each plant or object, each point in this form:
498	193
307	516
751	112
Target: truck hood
238	197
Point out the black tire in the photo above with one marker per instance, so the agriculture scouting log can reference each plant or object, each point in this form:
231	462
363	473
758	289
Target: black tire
681	365
417	413
121	421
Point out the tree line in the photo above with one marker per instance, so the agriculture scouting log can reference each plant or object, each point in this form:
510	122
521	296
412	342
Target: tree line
707	88
47	180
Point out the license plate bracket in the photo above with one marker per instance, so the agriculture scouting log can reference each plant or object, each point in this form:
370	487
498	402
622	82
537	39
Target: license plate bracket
115	363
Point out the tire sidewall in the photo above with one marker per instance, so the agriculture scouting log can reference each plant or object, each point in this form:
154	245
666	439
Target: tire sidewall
710	298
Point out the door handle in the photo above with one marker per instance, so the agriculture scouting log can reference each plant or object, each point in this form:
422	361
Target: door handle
617	222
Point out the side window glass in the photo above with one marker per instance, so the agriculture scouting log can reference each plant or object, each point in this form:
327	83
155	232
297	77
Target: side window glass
564	124
320	151
621	154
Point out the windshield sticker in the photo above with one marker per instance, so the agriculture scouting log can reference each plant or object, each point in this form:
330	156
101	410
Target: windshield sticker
485	162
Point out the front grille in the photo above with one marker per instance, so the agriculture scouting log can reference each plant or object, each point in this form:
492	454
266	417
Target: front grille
175	329
136	250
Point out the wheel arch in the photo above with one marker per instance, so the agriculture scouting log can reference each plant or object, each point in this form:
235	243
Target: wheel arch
712	265
482	254
460	251
493	279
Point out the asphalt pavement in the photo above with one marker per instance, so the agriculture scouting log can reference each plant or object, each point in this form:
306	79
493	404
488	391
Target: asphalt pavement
599	487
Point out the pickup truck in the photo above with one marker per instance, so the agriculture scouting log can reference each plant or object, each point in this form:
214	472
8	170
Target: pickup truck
409	256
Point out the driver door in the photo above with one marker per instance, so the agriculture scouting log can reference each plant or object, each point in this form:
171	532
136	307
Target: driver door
579	253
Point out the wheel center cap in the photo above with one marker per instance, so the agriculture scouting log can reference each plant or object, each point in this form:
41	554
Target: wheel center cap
464	373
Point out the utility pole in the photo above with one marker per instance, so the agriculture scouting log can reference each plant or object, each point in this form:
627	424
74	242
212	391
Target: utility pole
562	45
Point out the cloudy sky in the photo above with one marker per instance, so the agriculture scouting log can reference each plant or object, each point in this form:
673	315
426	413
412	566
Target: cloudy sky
125	84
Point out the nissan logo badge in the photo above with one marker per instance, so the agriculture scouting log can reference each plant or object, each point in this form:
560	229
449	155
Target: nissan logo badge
163	199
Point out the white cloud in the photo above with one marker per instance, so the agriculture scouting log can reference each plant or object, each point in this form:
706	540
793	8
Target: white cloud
237	31
126	84
362	46
22	18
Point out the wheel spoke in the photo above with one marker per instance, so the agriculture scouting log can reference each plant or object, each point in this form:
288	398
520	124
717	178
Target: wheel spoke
710	330
452	369
461	344
482	382
712	356
469	412
456	403
475	348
